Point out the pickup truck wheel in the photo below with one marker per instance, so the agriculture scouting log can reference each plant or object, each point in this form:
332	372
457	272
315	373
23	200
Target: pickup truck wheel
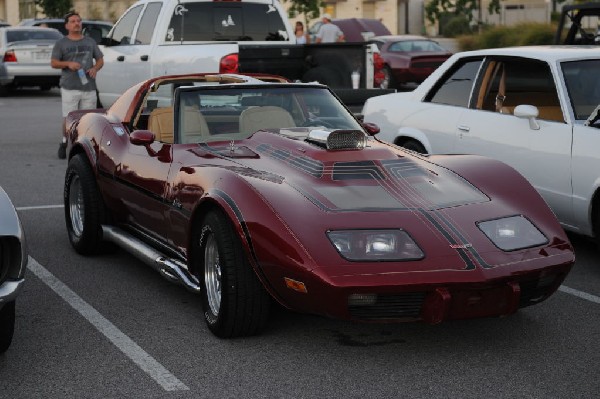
7	325
84	209
415	146
234	300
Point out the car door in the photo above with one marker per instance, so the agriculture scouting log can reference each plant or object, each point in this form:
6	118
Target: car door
127	52
445	104
540	151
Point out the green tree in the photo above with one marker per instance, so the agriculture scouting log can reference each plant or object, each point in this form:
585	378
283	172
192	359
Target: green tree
310	8
438	8
55	8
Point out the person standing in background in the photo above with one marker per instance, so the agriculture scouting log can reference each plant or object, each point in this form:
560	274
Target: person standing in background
328	32
301	36
75	55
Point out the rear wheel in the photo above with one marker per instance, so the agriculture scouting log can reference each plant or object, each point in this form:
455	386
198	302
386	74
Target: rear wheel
84	209
234	300
415	146
7	325
388	81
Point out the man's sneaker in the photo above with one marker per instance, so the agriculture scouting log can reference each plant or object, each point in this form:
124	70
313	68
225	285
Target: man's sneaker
62	150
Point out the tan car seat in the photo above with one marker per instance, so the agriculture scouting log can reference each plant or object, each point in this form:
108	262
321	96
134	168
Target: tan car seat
268	117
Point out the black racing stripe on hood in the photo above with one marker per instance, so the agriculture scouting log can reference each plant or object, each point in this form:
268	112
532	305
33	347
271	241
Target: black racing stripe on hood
365	170
305	164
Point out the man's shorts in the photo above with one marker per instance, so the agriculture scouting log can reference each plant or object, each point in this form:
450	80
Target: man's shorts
72	100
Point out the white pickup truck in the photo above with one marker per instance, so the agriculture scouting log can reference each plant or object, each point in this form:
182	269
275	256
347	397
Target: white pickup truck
168	37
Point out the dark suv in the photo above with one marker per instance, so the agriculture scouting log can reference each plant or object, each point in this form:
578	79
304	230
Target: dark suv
95	29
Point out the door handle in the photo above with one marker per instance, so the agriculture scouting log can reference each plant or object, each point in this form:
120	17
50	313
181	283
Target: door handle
144	58
121	58
464	128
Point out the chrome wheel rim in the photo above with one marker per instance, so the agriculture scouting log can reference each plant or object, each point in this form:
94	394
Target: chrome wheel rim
212	274
385	83
76	206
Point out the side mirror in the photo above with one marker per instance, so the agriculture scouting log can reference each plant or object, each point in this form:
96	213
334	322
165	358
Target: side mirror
371	128
141	137
528	112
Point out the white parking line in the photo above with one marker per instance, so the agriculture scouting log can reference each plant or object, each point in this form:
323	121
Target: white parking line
132	350
580	294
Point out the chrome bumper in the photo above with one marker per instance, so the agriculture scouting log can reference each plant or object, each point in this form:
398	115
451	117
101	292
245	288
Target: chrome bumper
9	290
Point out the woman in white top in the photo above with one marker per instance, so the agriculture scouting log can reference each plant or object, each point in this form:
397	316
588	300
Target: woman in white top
301	37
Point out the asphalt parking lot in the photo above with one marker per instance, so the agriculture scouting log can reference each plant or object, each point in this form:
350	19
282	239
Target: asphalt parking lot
110	327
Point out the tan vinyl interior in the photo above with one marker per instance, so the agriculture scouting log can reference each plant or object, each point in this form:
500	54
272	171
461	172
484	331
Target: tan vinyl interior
193	126
268	117
161	124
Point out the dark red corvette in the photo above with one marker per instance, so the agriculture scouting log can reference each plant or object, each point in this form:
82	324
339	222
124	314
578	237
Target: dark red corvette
408	59
247	192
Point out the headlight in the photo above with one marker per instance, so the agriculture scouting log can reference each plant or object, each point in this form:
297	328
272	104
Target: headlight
375	245
511	233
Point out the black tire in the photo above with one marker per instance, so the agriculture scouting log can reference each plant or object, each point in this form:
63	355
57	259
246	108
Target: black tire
389	82
45	87
234	300
415	146
7	325
84	209
62	151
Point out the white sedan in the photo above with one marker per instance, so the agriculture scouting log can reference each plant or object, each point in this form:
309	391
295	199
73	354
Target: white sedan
534	108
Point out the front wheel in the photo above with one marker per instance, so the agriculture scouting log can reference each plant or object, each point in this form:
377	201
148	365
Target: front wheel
84	209
234	300
7	325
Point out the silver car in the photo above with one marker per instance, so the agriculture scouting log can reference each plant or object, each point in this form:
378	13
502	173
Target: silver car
25	57
13	261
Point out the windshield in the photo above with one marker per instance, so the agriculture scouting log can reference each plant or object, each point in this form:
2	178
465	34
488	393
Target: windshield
583	86
212	113
36	34
415	45
228	21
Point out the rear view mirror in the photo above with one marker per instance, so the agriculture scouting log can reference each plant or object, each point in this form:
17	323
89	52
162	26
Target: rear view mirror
371	128
528	112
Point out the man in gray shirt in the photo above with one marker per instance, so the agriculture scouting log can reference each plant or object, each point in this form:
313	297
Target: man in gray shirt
75	55
328	32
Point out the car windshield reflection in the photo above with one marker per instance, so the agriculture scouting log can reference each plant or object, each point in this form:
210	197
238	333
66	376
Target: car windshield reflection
214	113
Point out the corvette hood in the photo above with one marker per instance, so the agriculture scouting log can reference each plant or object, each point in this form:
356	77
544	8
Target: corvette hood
373	179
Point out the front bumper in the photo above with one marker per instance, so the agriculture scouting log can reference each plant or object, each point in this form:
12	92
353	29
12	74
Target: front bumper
428	297
9	290
28	75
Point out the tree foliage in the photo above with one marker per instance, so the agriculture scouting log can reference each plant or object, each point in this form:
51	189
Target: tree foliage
467	8
55	8
310	8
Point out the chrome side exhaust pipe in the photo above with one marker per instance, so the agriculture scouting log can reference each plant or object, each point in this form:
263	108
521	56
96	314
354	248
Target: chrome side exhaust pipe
171	269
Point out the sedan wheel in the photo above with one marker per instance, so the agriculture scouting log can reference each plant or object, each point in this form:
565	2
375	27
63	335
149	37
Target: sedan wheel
234	300
388	79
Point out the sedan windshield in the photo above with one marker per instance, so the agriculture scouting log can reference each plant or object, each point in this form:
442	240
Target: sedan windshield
415	45
13	36
583	86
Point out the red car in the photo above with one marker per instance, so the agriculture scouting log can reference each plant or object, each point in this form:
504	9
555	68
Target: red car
408	59
246	191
